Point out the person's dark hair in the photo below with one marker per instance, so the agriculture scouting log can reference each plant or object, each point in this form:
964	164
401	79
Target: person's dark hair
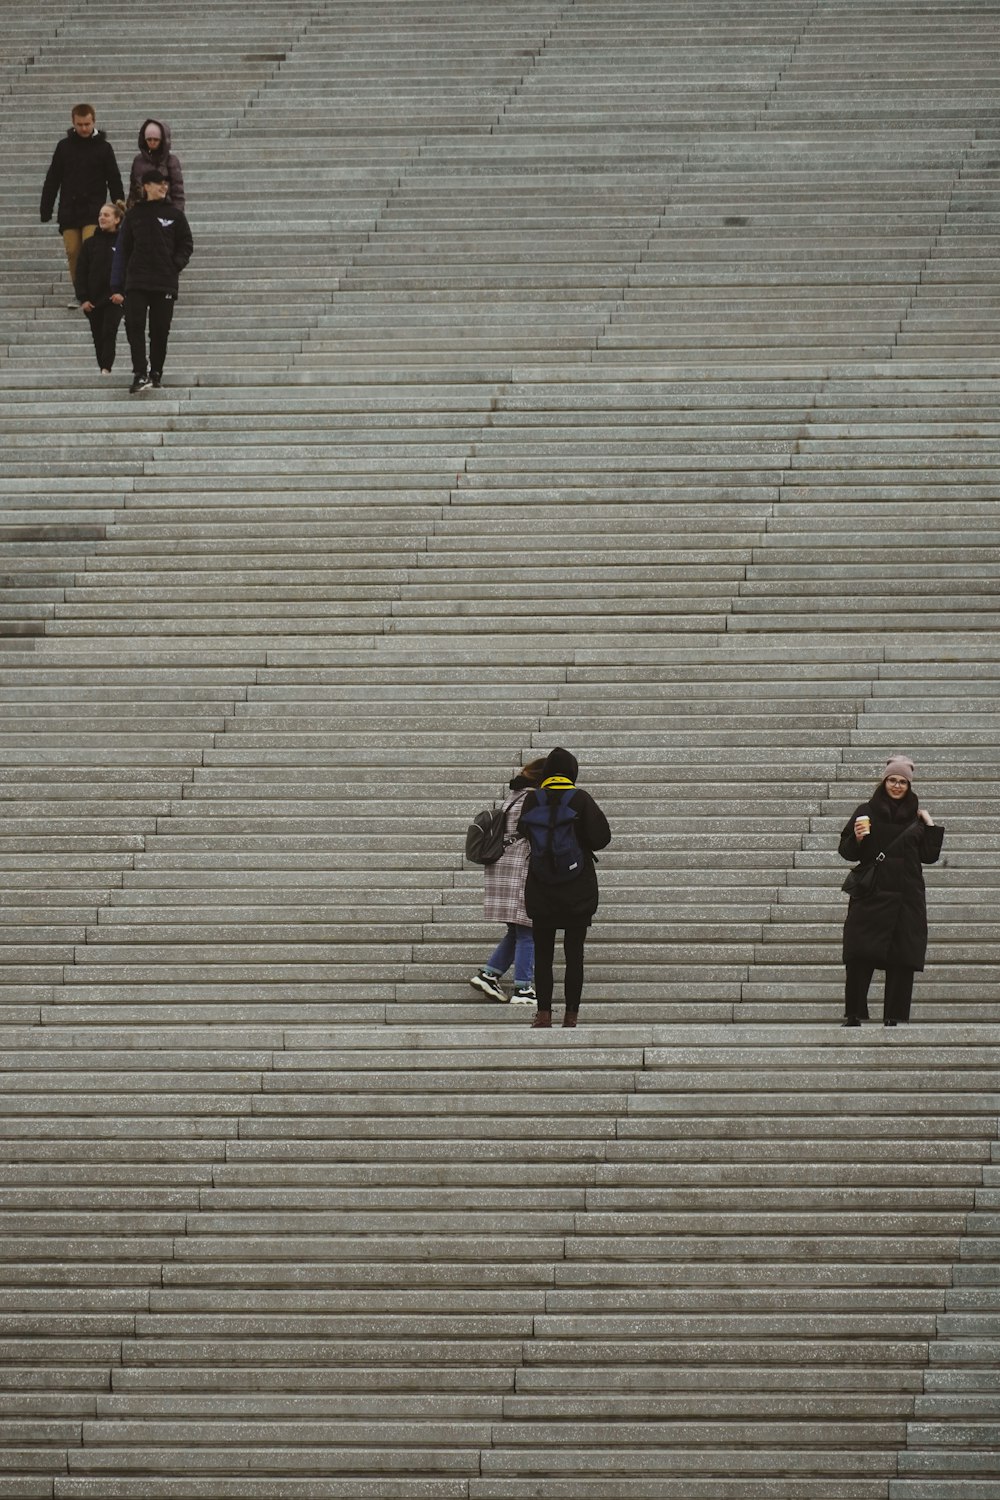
153	174
534	771
79	110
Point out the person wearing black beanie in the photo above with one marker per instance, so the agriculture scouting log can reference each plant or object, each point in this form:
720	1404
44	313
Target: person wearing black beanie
552	900
560	762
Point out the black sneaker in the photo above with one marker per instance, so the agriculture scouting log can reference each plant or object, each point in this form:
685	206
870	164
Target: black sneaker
490	986
155	379
139	383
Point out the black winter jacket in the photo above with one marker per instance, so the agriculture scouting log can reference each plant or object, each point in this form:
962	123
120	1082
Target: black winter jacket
83	174
576	901
888	928
154	246
92	282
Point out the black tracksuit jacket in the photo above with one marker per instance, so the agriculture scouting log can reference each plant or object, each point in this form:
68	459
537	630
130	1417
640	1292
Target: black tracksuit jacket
154	246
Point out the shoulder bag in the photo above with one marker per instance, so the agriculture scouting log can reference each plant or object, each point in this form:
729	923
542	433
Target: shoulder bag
861	880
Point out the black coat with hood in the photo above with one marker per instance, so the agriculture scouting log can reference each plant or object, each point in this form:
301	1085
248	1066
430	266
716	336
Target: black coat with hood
575	900
164	159
154	246
92	282
83	174
888	928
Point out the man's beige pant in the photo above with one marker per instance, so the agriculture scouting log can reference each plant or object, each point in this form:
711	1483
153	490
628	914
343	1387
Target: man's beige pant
73	239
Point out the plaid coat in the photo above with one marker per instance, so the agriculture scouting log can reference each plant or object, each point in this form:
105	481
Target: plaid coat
505	879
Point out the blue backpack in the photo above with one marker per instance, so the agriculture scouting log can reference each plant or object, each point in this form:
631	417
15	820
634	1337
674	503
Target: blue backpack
556	856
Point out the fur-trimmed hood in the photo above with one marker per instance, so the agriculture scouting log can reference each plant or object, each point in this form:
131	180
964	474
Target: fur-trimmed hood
164	150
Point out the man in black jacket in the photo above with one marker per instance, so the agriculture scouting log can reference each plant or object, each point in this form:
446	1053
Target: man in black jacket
154	246
82	173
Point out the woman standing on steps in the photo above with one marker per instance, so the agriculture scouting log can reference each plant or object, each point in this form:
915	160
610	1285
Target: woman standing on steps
564	826
886	928
505	903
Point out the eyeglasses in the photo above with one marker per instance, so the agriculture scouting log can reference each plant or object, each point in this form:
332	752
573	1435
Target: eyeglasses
896	781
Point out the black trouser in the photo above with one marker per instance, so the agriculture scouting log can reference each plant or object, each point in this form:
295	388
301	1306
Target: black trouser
898	992
574	937
160	307
104	323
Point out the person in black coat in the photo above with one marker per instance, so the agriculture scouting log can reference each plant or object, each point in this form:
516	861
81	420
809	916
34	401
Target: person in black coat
154	246
569	905
93	284
82	174
887	927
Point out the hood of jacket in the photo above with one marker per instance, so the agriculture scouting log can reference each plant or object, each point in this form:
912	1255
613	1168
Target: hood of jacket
95	138
164	151
560	762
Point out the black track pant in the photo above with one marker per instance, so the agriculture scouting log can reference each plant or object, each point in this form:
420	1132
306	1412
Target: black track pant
159	307
898	992
104	323
574	937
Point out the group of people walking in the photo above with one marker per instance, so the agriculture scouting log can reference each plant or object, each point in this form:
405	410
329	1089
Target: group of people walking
545	881
124	256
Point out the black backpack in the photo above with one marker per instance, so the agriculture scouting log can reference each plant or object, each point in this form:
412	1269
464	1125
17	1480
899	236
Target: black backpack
486	836
556	855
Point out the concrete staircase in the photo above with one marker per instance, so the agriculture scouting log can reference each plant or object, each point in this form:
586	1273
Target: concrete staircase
610	375
247	1261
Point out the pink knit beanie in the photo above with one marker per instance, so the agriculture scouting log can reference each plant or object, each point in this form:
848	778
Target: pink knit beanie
899	765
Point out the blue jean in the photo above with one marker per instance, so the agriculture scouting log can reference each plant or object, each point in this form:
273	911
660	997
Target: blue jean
517	946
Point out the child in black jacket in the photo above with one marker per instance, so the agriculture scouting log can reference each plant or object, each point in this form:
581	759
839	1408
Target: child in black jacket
92	284
154	246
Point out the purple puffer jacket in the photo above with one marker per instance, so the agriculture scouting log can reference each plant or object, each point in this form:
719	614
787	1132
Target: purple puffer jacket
164	158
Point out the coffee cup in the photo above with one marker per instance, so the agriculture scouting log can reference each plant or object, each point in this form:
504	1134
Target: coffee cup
862	826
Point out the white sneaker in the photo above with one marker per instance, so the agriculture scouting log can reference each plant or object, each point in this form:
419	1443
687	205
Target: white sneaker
524	995
490	986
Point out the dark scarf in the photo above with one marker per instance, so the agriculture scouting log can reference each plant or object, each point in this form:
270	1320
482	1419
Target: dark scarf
903	811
